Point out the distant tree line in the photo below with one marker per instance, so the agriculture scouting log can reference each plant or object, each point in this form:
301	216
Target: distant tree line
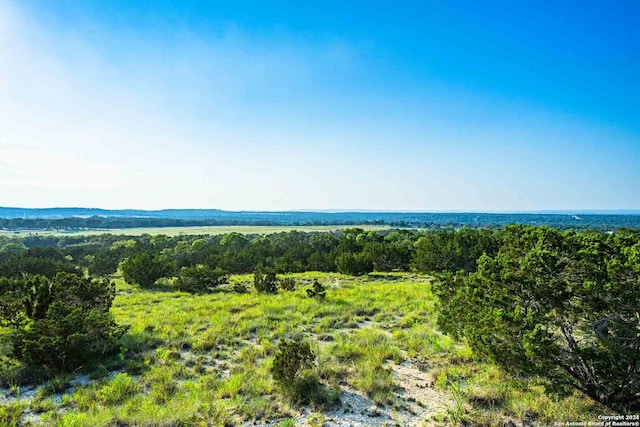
449	221
351	251
97	223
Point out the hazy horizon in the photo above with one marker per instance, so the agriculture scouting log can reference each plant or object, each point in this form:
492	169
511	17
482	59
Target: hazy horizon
538	212
411	107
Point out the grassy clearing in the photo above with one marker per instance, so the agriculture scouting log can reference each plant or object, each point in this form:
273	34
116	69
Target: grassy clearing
205	359
201	230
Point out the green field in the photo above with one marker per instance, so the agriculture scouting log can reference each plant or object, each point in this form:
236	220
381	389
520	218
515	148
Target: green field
179	231
205	360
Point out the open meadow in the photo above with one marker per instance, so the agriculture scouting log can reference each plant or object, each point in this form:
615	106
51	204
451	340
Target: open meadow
378	359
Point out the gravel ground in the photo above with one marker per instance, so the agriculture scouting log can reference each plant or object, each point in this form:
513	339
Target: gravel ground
417	405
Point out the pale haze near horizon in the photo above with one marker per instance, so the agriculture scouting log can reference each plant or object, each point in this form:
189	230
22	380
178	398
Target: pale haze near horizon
151	109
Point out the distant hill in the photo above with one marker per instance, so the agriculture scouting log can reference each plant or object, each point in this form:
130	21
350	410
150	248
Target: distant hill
53	213
84	218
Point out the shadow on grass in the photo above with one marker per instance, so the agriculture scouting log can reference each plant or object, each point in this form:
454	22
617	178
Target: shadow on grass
15	373
338	302
165	285
161	286
140	342
131	358
487	402
309	391
384	277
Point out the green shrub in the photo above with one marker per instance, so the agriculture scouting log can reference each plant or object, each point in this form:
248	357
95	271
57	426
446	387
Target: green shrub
317	291
355	264
240	288
65	322
57	384
120	388
287	284
40	405
200	279
162	383
11	413
264	280
292	371
103	263
145	268
291	360
44	261
12	293
453	250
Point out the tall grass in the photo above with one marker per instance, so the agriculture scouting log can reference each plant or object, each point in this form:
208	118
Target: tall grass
204	359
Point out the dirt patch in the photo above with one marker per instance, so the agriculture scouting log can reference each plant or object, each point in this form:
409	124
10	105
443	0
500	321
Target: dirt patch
416	404
415	389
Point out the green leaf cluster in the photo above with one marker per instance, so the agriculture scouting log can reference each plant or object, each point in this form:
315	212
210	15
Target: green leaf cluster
317	290
62	323
200	279
264	280
145	269
287	283
560	306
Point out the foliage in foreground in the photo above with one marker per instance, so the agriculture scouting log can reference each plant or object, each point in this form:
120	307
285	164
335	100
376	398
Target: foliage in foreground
557	305
291	359
294	370
10	414
60	324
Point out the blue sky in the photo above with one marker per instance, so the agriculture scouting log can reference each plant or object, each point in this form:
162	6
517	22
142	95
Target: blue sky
443	105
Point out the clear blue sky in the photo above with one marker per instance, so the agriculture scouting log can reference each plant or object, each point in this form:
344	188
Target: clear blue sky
430	105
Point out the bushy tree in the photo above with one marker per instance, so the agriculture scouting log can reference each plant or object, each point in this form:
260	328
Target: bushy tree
355	264
389	255
13	247
12	294
320	261
145	268
200	278
292	357
264	280
321	246
39	261
562	307
291	371
102	263
64	322
443	250
234	241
